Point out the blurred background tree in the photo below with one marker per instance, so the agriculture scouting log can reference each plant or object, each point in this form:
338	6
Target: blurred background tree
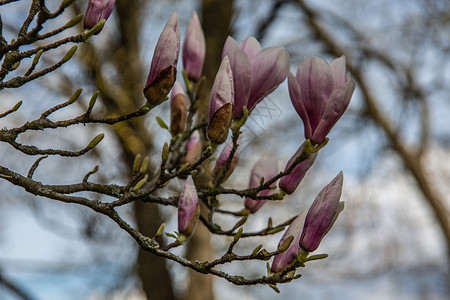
393	145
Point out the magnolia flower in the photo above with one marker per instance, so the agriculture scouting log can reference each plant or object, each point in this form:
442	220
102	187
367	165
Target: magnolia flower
320	93
280	261
188	208
322	214
257	72
222	160
193	148
221	103
265	168
194	48
309	228
178	109
96	11
163	69
290	182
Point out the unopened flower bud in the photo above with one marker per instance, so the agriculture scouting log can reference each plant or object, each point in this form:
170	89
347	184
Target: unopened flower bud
290	182
194	48
193	149
178	109
322	214
221	104
163	69
280	261
266	168
188	208
221	162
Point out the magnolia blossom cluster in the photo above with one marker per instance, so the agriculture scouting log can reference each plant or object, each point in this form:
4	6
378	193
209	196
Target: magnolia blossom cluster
320	93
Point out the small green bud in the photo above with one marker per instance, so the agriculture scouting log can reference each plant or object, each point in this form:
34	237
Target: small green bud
184	167
69	54
291	274
66	3
95	169
261	181
270	223
165	152
93	100
136	163
269	272
316	257
275	230
144	166
170	235
74	21
160	229
161	123
15	66
95	141
37	56
140	184
238	235
257	249
94	29
286	243
75	96
240	222
16	107
274	287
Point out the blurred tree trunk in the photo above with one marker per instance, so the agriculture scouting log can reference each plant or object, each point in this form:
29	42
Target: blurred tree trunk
137	139
216	17
133	135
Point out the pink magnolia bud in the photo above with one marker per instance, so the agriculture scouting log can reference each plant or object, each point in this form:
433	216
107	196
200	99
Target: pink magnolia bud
96	11
320	93
193	148
178	109
322	214
188	208
222	160
280	261
264	168
268	68
163	69
290	182
221	103
194	48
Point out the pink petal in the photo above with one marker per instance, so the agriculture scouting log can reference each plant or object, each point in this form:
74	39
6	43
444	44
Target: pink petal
251	46
334	109
316	85
242	79
270	68
296	99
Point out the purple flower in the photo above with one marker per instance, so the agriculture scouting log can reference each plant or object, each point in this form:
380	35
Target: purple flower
221	103
178	109
322	214
264	168
194	48
193	148
163	69
96	11
280	261
257	72
222	159
188	208
290	182
320	93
